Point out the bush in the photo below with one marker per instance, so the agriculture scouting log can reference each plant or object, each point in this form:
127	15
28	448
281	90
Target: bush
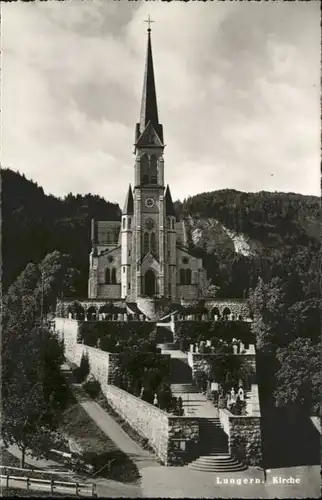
77	373
112	333
84	365
93	388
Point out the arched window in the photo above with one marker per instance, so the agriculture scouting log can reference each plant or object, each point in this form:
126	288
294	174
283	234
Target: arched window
144	169
172	223
123	222
188	276
153	170
153	244
107	276
182	276
168	223
130	222
226	312
113	279
145	243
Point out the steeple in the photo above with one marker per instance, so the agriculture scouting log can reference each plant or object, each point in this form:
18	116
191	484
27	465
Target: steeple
169	207
129	204
149	107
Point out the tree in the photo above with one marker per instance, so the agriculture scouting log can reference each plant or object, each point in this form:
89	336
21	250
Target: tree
57	278
299	375
270	326
33	391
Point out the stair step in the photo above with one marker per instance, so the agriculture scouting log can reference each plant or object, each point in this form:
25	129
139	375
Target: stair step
218	469
220	459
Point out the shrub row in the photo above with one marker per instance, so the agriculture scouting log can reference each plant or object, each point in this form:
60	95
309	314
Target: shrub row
117	336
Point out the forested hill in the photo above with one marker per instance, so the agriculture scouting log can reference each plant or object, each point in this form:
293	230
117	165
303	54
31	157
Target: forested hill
239	235
270	218
34	224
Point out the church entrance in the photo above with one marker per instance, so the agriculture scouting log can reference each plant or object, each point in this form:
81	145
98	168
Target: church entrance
149	283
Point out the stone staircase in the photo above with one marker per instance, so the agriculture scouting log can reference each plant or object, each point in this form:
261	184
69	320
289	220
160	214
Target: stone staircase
188	388
213	444
214	449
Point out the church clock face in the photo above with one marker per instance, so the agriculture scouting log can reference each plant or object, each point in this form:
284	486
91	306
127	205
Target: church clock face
149	202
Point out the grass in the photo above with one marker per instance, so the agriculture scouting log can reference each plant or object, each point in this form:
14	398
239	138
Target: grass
9	460
95	447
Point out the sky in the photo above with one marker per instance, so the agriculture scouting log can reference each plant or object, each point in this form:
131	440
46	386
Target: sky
238	89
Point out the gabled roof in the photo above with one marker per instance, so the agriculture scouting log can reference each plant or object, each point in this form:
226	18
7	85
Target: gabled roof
149	256
169	207
128	208
149	137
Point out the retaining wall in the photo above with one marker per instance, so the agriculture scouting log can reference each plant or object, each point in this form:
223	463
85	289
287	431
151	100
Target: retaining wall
244	436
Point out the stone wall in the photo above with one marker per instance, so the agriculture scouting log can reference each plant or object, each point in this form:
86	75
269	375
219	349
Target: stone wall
183	440
174	439
149	421
68	331
102	363
244	436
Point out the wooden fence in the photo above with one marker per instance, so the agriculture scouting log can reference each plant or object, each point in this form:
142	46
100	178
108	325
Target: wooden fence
84	489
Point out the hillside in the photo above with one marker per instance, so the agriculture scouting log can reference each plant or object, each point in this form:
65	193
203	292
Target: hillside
239	235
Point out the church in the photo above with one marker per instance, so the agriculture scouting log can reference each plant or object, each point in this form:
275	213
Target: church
145	254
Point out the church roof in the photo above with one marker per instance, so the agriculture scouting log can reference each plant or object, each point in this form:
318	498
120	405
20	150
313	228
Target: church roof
149	137
149	107
128	208
169	207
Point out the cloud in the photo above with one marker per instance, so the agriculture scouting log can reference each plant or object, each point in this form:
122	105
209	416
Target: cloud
237	86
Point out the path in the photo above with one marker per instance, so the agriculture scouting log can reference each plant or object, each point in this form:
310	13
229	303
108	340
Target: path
112	429
179	482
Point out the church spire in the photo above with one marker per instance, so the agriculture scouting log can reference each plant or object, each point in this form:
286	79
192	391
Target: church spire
149	107
169	206
128	208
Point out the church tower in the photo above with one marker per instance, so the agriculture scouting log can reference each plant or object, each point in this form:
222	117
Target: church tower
149	274
146	253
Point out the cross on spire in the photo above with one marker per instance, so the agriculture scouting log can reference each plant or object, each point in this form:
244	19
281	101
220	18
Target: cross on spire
149	21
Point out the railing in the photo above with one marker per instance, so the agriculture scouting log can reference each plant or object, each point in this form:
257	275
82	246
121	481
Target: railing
53	484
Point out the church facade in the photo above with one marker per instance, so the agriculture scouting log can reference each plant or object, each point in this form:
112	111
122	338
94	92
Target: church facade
145	254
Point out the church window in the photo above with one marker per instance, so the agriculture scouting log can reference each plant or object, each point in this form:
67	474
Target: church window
123	269
129	286
107	276
182	277
168	223
113	277
153	244
123	222
153	169
145	242
130	222
172	223
188	276
144	169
